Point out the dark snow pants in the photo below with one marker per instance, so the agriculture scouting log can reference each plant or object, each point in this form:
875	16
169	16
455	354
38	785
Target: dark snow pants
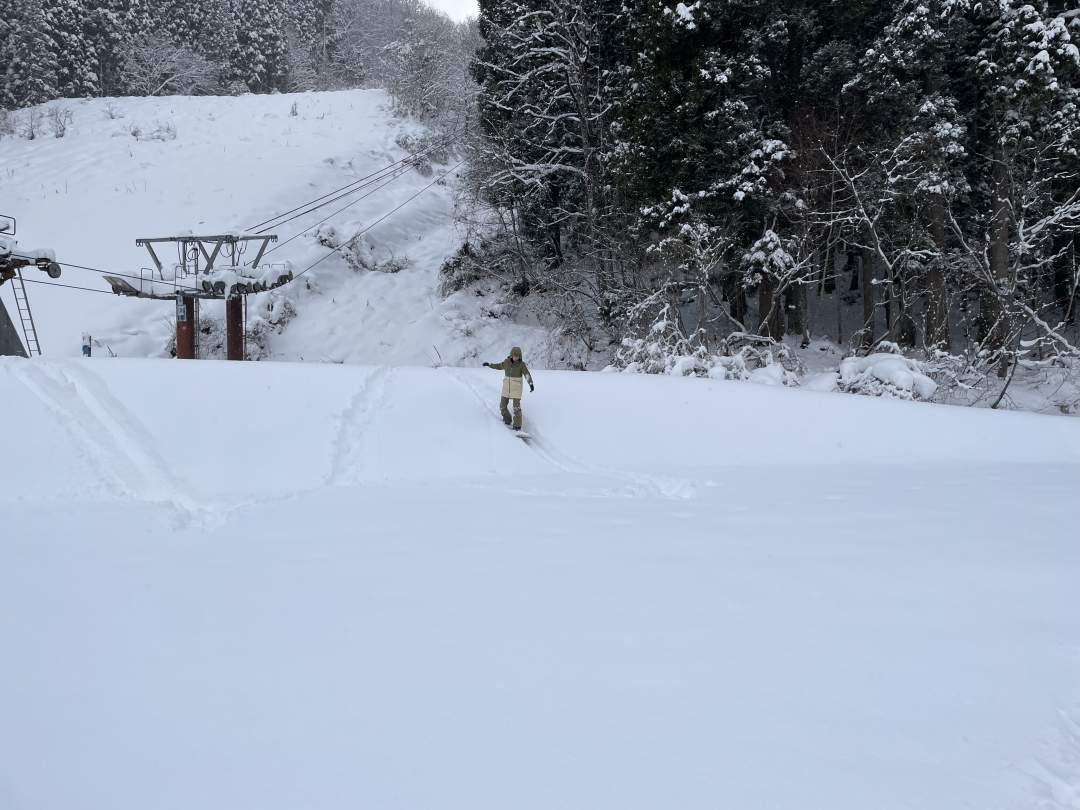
505	411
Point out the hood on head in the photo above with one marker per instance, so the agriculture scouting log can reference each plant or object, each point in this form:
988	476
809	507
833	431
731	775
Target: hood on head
515	353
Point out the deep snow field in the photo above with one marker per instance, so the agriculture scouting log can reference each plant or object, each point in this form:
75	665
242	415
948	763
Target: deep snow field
281	586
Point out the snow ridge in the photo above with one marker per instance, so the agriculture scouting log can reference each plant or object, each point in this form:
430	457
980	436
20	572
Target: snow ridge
112	436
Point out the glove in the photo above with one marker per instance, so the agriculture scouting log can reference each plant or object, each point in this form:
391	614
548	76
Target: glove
531	387
487	365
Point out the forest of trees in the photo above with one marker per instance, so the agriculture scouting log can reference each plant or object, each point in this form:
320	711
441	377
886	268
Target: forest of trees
701	169
83	48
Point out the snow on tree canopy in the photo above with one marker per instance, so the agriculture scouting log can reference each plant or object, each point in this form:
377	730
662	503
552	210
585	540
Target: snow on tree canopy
685	15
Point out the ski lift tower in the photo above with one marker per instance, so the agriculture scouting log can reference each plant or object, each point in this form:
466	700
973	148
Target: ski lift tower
12	261
206	267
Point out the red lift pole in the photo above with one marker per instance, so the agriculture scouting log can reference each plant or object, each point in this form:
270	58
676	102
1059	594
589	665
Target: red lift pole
185	327
196	276
234	328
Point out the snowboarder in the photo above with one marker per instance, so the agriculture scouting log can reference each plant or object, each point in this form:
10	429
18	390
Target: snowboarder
512	387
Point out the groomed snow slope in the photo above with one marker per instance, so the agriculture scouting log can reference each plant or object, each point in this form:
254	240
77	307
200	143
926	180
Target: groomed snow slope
284	586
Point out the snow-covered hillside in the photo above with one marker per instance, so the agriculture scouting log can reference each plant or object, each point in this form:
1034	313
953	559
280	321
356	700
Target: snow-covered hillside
284	585
148	167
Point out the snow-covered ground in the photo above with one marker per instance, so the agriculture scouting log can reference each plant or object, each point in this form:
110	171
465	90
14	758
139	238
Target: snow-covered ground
326	586
212	165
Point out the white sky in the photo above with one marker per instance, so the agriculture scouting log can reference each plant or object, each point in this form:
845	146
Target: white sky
458	9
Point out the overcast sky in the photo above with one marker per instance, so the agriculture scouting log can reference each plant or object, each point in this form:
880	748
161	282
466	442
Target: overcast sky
458	9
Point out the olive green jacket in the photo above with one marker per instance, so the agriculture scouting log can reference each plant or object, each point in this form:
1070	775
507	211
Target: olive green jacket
514	370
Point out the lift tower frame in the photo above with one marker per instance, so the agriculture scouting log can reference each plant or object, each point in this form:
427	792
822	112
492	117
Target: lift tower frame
12	261
207	267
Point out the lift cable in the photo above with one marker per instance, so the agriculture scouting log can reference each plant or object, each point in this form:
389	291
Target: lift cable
68	286
308	229
408	159
394	174
371	225
376	178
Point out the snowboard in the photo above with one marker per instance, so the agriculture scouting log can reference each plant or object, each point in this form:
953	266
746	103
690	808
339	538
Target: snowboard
521	434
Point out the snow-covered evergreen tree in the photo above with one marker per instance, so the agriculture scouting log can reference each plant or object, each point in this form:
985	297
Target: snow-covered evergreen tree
259	54
27	53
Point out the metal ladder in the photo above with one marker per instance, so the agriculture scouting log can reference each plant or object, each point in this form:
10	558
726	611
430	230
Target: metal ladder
26	317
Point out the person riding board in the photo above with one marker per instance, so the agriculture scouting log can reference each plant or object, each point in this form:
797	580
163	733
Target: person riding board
512	387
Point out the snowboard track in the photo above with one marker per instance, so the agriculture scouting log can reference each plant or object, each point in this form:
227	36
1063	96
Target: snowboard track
634	484
349	464
117	443
112	436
